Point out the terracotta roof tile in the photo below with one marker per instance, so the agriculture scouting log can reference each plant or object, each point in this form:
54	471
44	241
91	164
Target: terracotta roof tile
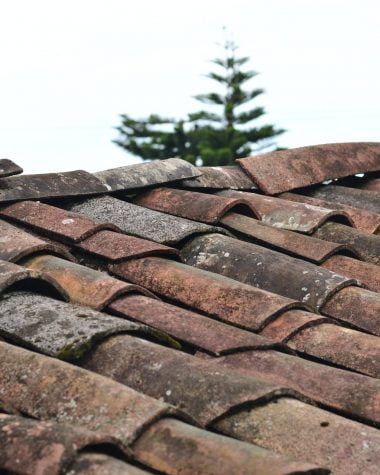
8	168
296	244
219	178
142	222
48	185
280	426
89	463
192	205
289	215
16	244
11	274
48	448
46	388
264	268
285	170
259	384
362	219
356	198
365	272
141	175
187	326
348	392
218	296
55	328
83	285
72	227
368	245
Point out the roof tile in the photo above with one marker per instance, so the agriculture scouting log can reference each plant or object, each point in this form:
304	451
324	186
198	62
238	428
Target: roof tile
362	219
219	178
365	272
48	447
118	247
55	221
356	198
218	296
264	268
83	285
192	205
368	245
49	185
16	244
345	391
142	222
141	175
46	388
8	168
55	328
289	215
300	245
190	327
285	170
202	389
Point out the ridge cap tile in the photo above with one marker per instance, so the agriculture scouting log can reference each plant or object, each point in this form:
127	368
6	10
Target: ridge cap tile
141	175
275	172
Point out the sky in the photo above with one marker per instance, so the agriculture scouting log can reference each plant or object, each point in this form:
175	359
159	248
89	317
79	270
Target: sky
69	69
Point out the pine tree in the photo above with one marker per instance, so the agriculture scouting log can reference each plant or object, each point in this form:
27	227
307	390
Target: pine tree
205	137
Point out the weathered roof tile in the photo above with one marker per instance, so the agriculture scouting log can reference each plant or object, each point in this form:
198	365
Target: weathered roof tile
141	175
8	168
192	205
285	170
142	222
54	221
49	185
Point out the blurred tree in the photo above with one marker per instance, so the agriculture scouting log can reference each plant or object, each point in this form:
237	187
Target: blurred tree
205	137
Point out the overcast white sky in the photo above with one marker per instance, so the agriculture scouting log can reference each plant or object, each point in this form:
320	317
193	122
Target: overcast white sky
69	68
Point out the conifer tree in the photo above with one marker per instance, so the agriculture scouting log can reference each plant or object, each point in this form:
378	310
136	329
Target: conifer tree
206	137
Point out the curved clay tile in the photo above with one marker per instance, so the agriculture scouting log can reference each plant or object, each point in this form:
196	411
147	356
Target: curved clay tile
141	175
71	227
118	247
82	284
46	388
16	244
289	215
218	296
199	387
42	447
11	274
365	272
368	245
192	205
260	267
345	391
142	222
356	198
219	178
296	244
50	185
362	219
192	328
291	427
285	170
55	328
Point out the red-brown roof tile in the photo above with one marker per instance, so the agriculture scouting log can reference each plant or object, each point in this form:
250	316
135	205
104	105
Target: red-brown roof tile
192	205
285	170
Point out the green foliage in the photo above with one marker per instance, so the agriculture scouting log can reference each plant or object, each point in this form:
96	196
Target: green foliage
205	137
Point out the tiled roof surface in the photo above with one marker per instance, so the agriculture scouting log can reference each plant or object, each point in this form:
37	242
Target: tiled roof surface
166	318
